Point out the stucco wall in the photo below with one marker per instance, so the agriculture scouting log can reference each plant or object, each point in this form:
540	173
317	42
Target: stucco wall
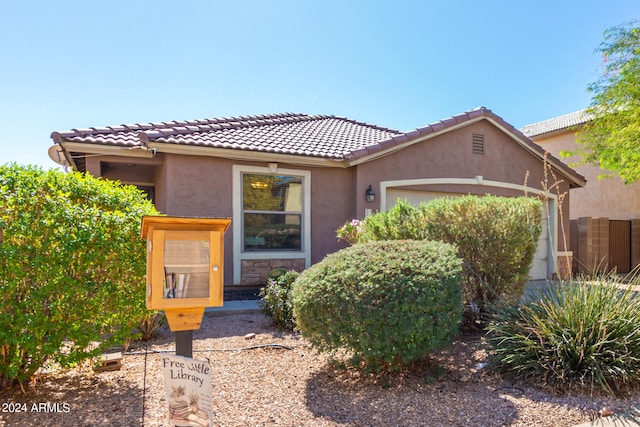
333	197
198	186
607	198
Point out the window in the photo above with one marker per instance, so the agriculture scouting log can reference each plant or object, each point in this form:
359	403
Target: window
271	212
271	217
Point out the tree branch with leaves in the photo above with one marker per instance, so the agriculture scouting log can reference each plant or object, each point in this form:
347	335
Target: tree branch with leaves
611	139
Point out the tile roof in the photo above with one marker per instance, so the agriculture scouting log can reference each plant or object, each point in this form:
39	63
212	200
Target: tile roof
313	136
555	124
289	133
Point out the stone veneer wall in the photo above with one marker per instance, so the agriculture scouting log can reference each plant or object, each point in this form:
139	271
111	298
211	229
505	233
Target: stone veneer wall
255	271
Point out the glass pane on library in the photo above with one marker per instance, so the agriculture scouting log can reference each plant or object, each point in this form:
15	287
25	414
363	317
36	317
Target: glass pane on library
186	268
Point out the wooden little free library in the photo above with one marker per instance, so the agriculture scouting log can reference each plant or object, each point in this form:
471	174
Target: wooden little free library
185	267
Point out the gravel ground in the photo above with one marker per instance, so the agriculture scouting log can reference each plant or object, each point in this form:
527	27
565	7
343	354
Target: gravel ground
290	385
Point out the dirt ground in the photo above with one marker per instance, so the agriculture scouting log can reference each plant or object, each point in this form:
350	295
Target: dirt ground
276	379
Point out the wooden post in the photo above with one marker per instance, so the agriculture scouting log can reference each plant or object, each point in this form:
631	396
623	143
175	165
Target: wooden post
184	347
184	343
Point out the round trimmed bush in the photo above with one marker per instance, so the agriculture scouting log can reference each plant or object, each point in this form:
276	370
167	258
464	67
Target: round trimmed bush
386	303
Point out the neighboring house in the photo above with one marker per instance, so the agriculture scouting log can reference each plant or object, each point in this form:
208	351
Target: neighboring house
289	181
602	209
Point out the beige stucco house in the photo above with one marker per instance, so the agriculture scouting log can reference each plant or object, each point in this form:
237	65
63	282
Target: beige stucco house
288	181
608	197
605	212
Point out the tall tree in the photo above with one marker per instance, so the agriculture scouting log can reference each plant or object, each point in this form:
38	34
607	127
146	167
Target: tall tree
612	138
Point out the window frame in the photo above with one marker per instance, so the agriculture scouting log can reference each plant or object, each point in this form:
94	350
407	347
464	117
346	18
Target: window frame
238	218
275	213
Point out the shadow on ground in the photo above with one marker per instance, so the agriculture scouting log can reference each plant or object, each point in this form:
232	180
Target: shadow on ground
232	325
448	391
343	399
74	400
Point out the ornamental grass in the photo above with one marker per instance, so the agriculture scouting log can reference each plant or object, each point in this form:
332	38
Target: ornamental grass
581	334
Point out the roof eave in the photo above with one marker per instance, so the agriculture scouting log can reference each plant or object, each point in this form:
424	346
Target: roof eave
152	148
107	150
244	155
89	150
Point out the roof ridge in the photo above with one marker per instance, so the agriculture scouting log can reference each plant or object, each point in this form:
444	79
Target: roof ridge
369	125
557	123
151	126
257	117
244	122
583	111
226	123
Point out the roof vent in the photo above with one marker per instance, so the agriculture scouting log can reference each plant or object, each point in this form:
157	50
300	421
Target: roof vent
477	144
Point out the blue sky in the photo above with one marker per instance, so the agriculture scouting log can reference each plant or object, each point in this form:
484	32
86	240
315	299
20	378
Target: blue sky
399	64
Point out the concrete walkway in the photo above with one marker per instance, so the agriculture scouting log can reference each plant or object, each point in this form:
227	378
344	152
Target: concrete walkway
234	307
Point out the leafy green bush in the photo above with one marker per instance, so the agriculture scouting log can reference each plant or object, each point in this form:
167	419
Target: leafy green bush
579	335
350	232
275	273
72	267
402	221
149	325
386	303
276	299
495	236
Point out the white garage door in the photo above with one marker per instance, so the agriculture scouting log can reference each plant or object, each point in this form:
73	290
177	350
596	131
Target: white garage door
539	267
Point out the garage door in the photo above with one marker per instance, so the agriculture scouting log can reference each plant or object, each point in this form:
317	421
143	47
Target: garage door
539	267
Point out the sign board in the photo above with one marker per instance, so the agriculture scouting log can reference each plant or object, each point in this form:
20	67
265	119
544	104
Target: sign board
188	386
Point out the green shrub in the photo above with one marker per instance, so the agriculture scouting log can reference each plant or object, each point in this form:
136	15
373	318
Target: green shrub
402	222
275	273
151	322
276	299
351	231
495	236
72	267
385	303
578	335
